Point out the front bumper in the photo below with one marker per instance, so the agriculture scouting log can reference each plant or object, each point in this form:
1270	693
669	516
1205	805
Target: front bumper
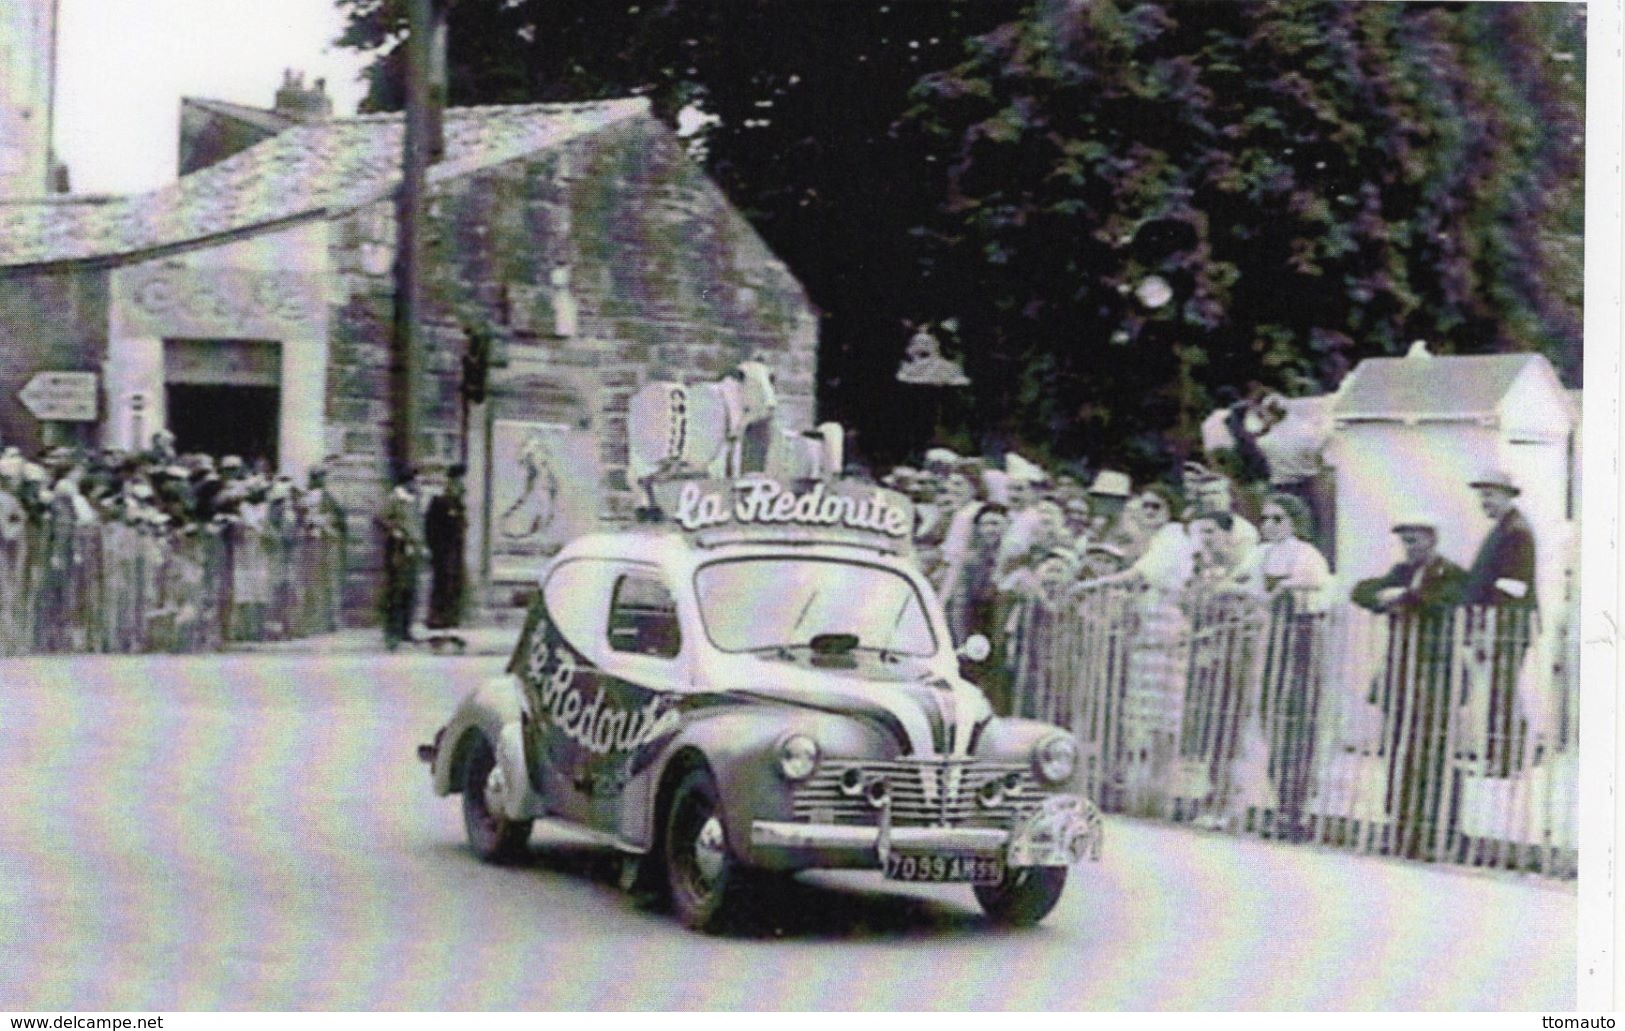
1066	829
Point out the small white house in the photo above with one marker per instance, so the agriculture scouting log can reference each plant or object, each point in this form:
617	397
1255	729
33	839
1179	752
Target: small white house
1410	432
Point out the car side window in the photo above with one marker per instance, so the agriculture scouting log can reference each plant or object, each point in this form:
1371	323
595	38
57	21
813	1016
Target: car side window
643	618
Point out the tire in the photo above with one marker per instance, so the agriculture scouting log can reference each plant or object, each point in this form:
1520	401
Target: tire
703	880
1024	897
493	837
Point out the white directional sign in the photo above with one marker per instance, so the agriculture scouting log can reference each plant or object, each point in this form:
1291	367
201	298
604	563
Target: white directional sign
61	396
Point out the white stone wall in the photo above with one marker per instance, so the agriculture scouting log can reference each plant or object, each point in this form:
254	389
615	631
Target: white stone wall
270	287
27	70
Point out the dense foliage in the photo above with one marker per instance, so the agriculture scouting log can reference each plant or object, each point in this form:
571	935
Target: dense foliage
1122	210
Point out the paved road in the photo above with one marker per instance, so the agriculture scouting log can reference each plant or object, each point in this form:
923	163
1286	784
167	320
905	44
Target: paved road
254	832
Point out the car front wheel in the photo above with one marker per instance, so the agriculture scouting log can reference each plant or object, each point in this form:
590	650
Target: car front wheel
1024	897
494	837
703	877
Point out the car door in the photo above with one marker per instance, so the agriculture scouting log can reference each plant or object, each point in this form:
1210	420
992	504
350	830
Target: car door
603	660
644	673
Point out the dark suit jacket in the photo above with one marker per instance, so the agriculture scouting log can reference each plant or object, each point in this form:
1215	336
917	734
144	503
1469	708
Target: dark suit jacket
1508	553
1440	586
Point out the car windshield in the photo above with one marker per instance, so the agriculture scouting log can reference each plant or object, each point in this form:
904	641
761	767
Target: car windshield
760	603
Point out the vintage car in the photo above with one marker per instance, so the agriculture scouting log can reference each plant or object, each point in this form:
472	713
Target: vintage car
763	683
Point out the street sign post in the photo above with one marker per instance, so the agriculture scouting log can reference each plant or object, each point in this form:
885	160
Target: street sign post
61	396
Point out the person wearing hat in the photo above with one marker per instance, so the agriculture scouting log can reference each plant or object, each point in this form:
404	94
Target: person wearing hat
1101	559
1503	571
1423	579
1501	578
1413	691
1108	495
445	527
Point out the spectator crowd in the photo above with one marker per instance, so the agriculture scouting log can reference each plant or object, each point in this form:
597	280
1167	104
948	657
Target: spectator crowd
991	535
154	550
1186	632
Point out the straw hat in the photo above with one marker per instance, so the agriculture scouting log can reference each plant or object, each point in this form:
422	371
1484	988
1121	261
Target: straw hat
1110	483
1417	521
1498	478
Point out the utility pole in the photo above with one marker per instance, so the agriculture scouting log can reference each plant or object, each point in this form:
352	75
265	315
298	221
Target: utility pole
424	144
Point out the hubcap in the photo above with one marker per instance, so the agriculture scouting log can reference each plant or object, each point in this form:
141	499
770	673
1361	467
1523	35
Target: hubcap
496	788
709	851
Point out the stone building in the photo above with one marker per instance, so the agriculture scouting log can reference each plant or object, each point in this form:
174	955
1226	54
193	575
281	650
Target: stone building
247	307
213	130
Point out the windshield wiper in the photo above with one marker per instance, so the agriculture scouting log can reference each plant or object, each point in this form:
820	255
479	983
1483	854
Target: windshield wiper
886	654
805	608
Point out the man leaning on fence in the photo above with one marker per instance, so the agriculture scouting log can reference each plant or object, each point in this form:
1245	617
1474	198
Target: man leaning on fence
1413	693
1423	579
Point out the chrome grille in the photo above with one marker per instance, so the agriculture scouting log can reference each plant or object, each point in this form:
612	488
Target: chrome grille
924	793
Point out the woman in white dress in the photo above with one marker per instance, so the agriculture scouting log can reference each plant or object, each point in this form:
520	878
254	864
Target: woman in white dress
1159	651
1294	576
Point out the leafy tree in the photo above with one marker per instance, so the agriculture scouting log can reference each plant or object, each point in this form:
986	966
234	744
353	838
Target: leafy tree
1148	203
1122	209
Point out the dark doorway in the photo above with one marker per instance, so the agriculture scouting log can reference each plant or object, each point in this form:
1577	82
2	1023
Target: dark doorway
225	419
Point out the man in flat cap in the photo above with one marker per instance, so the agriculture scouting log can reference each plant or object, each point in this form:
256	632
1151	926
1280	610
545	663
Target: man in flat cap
1503	572
1418	595
1422	579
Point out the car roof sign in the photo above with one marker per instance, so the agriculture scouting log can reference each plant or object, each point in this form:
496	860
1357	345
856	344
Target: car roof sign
762	509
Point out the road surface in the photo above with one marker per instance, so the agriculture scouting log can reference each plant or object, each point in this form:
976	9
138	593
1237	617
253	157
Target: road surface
253	831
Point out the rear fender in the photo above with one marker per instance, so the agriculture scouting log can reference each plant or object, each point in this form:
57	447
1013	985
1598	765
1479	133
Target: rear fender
494	710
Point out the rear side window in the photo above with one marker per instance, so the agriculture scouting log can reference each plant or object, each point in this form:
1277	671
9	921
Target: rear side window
643	618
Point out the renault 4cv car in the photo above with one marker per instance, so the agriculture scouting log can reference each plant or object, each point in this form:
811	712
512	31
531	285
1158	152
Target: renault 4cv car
761	684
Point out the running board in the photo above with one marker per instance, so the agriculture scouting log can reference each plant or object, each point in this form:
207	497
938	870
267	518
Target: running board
575	834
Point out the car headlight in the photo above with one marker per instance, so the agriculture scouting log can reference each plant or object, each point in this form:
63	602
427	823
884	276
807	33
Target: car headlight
798	756
1056	758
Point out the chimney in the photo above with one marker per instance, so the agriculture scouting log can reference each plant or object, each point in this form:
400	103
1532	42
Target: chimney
304	105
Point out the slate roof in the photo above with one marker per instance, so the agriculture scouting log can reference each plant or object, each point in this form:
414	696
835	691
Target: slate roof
327	166
258	117
1442	386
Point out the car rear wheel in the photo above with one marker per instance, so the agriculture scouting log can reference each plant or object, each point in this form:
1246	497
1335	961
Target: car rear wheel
494	837
703	878
1024	897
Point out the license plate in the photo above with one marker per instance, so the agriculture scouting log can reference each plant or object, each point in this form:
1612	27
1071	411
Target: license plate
903	866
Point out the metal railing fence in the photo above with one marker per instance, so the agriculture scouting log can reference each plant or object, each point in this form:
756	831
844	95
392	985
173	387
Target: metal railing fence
1443	735
120	587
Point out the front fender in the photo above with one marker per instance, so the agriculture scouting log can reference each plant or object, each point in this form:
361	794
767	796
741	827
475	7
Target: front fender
1014	738
739	747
